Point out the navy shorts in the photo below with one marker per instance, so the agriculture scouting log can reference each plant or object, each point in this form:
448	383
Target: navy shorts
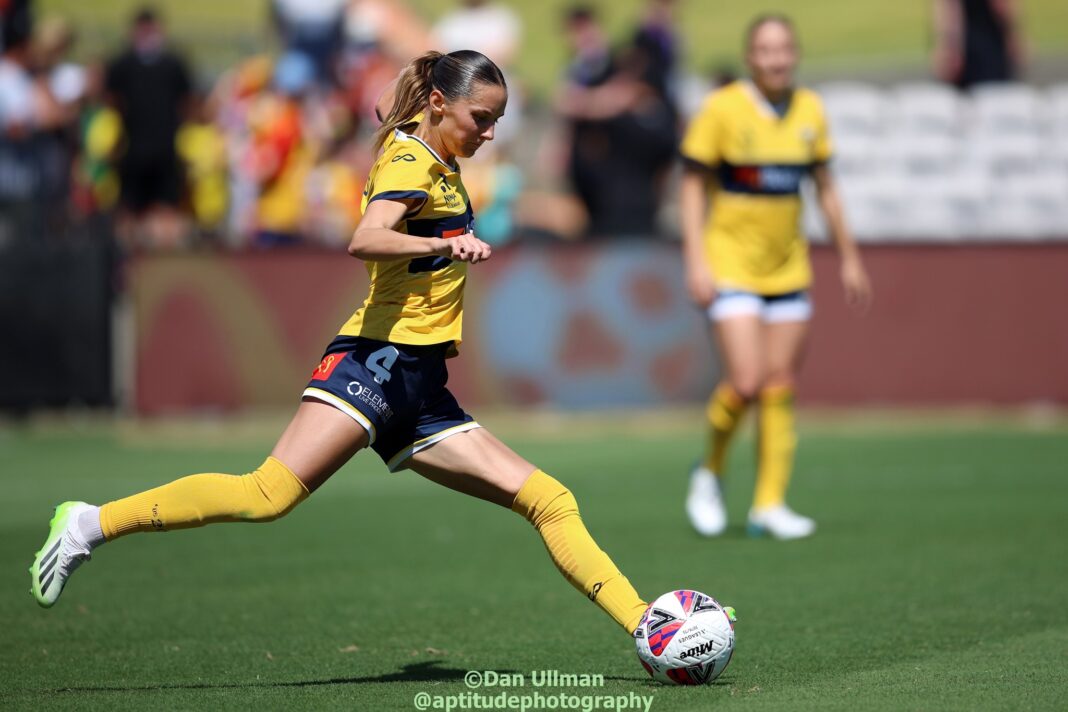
395	391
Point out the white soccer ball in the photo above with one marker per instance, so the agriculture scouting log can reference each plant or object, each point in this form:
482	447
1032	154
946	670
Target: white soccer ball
685	638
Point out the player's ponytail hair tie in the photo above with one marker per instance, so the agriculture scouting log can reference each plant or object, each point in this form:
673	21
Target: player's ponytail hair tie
453	74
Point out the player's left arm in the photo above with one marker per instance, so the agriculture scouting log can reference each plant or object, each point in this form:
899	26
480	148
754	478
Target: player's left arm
855	281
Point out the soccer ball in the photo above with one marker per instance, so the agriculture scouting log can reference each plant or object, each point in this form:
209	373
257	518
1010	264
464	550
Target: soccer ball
685	638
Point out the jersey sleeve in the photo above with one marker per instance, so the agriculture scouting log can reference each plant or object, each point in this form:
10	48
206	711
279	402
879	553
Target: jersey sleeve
704	135
403	177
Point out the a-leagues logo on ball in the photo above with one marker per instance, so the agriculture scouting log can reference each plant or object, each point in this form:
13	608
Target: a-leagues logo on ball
685	637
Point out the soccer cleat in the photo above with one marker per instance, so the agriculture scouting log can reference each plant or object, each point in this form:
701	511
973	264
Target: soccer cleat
704	503
62	553
780	522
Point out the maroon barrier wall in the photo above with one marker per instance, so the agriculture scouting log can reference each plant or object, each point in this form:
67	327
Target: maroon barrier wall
602	325
950	324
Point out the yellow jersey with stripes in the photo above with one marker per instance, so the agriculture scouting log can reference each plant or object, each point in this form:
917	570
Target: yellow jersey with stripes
759	155
416	301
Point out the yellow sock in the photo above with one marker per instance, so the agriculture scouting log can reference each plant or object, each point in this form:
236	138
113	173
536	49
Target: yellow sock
552	509
196	500
725	411
776	444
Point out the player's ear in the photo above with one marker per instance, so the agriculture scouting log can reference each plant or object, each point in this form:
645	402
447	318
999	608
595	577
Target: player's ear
437	102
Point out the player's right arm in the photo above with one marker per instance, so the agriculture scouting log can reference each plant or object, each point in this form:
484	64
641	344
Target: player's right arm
693	212
700	154
377	238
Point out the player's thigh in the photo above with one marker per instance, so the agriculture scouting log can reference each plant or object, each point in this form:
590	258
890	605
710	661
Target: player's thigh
741	347
474	463
785	345
318	441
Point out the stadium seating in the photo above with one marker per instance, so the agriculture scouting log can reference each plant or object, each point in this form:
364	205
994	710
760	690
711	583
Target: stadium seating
921	161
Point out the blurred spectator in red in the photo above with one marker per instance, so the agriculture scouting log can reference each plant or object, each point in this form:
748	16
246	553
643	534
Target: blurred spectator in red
976	41
150	86
313	29
279	156
623	131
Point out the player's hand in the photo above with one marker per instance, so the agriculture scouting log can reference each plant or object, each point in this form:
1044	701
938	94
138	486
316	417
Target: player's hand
466	248
700	285
857	285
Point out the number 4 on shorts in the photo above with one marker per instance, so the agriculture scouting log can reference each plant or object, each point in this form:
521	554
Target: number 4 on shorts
381	361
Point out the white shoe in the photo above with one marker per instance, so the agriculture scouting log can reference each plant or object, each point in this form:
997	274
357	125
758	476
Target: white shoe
64	551
704	503
781	522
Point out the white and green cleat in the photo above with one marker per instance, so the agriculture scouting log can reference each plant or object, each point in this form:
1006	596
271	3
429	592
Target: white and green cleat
62	553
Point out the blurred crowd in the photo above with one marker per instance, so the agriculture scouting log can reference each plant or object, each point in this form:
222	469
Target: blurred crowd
274	151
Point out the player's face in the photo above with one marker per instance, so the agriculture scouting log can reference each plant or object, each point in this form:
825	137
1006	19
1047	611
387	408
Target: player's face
772	57
469	122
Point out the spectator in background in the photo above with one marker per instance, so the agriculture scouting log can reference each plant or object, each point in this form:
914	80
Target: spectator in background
65	83
202	148
657	44
280	157
95	178
312	28
976	41
623	131
150	87
29	114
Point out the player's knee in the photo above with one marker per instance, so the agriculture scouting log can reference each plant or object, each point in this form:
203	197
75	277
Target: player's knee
747	387
274	491
543	500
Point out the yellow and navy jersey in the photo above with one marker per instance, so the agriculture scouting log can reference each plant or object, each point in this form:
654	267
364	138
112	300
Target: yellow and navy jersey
416	300
759	156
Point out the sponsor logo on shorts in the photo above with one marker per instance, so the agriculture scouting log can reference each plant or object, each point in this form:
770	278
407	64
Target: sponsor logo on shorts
375	401
326	366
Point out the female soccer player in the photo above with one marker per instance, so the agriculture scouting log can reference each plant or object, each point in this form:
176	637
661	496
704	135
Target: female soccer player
382	381
745	155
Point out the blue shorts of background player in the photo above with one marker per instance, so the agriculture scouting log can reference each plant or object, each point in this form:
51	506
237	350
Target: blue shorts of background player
395	391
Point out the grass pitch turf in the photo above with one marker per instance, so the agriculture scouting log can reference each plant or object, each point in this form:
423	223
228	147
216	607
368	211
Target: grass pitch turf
937	579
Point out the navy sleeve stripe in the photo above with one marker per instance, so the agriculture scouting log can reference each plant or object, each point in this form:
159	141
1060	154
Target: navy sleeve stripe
400	195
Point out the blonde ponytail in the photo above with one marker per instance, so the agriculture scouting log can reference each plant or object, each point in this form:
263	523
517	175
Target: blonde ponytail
411	95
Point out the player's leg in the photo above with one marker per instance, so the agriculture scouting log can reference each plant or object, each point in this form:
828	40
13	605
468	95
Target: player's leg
785	340
739	336
318	440
478	464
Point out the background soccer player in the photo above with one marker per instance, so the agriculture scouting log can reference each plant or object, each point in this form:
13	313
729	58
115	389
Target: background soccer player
382	381
746	153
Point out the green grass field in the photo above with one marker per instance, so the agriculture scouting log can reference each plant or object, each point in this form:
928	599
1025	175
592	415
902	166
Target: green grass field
937	580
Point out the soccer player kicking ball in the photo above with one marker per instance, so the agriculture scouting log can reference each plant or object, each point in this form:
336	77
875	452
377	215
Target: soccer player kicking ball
382	381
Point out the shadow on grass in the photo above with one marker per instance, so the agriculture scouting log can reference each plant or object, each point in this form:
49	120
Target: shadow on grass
427	671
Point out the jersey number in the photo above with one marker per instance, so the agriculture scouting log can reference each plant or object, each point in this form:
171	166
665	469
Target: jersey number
381	361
